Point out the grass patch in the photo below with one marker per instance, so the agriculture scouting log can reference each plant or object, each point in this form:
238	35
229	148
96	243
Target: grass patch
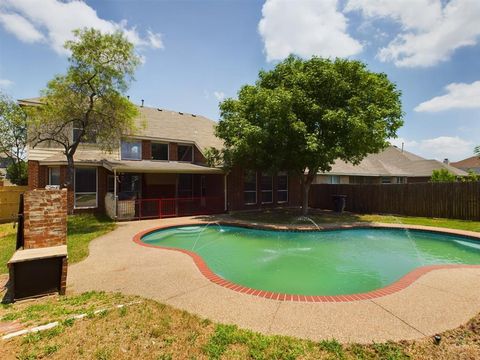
150	330
294	217
8	238
82	229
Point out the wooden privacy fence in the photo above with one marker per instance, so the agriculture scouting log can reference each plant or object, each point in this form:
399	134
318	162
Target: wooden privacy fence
9	200
443	200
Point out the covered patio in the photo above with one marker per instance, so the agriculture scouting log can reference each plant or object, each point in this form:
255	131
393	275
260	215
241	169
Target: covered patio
155	189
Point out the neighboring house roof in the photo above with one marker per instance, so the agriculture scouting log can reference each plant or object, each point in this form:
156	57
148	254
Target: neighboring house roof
468	163
392	162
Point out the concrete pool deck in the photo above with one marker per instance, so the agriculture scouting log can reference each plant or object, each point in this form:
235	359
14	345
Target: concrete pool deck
436	301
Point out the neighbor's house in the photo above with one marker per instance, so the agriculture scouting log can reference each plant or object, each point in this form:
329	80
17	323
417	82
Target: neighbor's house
391	166
161	171
468	164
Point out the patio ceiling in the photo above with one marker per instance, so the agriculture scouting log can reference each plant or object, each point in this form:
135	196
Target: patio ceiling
146	166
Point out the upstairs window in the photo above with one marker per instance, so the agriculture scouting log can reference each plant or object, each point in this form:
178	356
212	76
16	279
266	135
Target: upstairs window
131	150
159	151
266	184
282	187
250	188
185	153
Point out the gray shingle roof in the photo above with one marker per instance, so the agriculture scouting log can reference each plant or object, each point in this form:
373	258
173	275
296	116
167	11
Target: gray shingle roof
392	162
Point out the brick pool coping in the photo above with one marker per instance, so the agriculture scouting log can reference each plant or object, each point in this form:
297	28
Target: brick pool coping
394	287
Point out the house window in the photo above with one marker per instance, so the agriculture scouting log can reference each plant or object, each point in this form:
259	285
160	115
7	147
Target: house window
87	138
386	180
54	176
131	150
250	188
282	187
401	180
185	185
85	187
334	179
266	187
159	151
185	153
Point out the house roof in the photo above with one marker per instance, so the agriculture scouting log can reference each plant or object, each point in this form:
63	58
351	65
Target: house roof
168	125
392	162
468	163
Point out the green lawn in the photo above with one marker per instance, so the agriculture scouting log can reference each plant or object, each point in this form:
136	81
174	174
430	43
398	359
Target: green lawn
81	230
289	216
150	330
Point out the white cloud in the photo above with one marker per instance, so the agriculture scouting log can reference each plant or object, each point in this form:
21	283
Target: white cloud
5	83
459	96
52	22
398	142
451	147
431	29
220	95
20	27
305	28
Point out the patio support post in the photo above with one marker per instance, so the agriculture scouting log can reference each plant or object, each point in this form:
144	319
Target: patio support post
225	191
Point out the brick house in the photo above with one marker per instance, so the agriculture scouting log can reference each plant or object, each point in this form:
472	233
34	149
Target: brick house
158	172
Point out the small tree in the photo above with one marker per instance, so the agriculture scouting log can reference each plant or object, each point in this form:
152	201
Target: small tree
442	175
13	138
18	173
303	115
89	98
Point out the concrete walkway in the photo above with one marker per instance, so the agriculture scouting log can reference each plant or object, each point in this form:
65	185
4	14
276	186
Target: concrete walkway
437	301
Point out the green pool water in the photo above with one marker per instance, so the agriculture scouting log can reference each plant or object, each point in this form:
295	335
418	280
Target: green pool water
316	262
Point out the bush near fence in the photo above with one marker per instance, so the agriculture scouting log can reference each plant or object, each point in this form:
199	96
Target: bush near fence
9	199
456	200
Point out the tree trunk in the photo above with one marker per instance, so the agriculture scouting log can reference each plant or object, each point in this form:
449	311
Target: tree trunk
70	183
306	182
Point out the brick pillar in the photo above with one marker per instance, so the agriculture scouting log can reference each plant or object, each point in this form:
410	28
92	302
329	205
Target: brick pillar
173	154
45	214
146	150
33	174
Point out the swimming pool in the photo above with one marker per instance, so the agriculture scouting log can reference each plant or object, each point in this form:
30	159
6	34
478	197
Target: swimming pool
315	263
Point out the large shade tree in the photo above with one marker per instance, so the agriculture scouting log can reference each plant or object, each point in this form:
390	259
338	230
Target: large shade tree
304	114
89	97
13	139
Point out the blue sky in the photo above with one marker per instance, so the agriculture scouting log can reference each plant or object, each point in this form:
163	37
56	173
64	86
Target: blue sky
198	52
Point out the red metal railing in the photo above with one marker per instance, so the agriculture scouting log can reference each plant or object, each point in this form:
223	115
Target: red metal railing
170	207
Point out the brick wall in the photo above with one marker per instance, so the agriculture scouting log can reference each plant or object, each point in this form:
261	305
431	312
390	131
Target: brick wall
37	175
146	150
45	213
235	196
173	151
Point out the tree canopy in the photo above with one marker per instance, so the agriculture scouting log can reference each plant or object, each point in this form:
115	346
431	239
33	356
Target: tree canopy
442	175
13	139
304	114
89	97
